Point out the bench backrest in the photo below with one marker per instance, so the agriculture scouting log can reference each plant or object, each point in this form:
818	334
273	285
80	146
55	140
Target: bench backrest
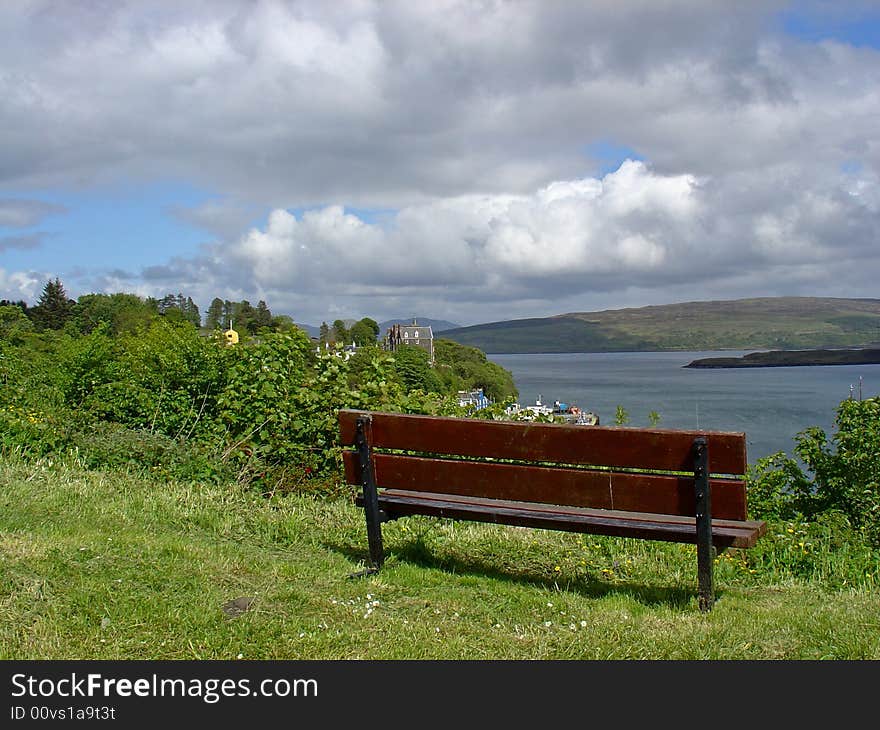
636	470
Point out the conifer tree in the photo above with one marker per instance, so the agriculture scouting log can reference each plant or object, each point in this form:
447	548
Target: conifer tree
214	315
54	308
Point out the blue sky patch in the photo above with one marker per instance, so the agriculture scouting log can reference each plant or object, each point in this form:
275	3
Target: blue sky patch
610	155
854	24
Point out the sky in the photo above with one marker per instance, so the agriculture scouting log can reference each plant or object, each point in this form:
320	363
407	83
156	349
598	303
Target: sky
471	161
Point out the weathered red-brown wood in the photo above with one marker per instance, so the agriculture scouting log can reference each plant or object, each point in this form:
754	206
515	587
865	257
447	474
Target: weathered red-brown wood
750	525
662	494
603	522
617	447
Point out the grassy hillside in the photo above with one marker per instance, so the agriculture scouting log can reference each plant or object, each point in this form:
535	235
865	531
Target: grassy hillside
769	323
103	565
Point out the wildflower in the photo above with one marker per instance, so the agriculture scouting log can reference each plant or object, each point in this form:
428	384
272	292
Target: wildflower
583	624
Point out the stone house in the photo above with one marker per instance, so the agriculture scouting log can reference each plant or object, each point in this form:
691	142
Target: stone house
413	334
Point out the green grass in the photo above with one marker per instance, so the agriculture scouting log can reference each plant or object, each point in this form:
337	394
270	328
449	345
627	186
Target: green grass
98	565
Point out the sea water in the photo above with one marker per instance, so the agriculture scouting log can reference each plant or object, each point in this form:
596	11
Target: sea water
771	405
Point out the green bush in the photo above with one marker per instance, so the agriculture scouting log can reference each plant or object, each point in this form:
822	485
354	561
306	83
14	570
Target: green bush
166	379
842	475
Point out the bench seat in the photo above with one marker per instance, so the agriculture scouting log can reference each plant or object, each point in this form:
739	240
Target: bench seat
617	523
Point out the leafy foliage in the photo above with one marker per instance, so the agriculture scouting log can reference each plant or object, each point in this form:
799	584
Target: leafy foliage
364	332
184	307
122	313
132	383
842	474
14	324
461	367
412	367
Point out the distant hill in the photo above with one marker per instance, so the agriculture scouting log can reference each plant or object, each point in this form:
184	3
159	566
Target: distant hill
774	323
309	329
436	325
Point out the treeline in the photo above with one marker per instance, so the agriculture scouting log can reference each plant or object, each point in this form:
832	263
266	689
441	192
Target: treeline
363	333
120	381
122	312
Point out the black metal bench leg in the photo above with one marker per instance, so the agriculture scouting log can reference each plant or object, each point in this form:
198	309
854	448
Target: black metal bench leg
371	496
704	524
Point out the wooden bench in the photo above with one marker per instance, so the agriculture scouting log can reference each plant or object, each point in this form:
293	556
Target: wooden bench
678	486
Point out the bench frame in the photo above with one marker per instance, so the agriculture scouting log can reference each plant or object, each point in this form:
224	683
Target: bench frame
599	521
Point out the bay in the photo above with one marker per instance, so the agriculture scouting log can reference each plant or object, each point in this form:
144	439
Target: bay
771	405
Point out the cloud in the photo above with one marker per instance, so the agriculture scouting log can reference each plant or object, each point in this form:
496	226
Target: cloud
387	104
21	285
24	213
224	219
29	241
634	230
476	125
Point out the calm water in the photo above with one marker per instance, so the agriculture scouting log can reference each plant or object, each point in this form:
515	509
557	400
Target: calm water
770	404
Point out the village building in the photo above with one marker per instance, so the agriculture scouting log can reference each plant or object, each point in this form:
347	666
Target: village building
414	334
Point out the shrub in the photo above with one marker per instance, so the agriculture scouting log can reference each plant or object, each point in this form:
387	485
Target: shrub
166	379
845	473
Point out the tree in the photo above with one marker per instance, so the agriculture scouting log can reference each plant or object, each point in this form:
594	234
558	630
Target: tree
411	365
214	315
13	324
54	308
364	332
187	308
263	317
653	418
191	310
21	304
283	323
340	333
462	367
621	417
120	312
324	333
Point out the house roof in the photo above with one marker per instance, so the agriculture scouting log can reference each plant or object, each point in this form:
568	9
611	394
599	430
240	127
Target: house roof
414	331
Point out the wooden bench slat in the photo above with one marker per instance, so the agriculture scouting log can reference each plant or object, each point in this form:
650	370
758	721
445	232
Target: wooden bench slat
653	493
758	526
603	522
619	447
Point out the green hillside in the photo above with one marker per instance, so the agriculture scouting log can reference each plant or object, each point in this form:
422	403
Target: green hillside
767	323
